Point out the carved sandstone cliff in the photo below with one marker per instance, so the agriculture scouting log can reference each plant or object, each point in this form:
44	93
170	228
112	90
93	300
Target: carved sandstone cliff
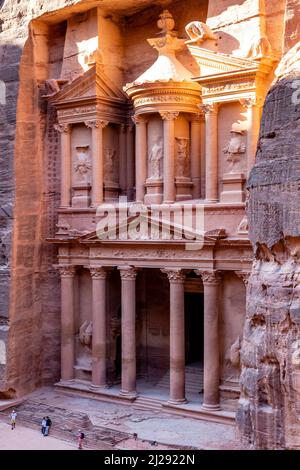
269	410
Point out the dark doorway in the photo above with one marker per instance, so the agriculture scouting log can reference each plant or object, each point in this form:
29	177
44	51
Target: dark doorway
194	331
118	359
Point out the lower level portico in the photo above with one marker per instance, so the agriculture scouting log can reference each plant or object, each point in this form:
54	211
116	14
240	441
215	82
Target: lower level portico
161	326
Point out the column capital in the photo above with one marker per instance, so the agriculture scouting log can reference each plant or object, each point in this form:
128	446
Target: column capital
123	128
169	115
209	108
128	273
63	128
66	271
197	117
96	124
138	119
98	273
209	277
244	275
174	274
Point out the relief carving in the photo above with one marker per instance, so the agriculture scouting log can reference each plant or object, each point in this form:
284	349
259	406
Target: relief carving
82	164
235	148
182	157
155	159
109	164
84	346
198	32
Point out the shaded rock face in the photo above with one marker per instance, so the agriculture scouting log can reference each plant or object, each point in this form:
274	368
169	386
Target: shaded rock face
269	408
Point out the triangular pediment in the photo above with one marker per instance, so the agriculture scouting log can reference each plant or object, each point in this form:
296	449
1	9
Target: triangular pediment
140	228
92	84
212	62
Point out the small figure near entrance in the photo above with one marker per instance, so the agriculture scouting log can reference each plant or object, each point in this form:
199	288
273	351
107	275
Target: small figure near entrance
48	424
13	418
80	439
44	422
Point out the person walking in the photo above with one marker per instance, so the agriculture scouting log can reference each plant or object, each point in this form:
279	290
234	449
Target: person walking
48	424
80	439
44	423
13	418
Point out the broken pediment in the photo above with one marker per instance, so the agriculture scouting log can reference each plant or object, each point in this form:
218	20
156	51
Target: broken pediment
91	85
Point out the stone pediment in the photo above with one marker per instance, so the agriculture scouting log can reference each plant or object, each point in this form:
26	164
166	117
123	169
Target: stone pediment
91	85
212	63
140	228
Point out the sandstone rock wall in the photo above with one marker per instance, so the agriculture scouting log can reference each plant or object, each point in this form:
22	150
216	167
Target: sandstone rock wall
268	414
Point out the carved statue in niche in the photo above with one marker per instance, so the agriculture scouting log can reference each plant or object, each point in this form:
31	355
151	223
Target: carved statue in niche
198	32
155	159
235	148
84	354
182	157
109	164
232	361
82	165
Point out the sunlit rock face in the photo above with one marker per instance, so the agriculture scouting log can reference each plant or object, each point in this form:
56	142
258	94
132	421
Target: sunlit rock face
269	408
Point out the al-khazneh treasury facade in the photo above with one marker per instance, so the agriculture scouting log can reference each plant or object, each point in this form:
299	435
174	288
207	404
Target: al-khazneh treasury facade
160	103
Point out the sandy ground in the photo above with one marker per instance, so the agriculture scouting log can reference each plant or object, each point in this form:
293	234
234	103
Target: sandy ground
22	438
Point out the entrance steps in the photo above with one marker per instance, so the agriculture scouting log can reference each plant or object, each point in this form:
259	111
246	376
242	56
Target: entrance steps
193	380
148	403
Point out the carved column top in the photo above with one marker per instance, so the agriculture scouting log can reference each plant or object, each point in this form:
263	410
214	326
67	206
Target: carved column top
197	117
63	128
174	274
139	119
97	123
66	271
128	273
209	277
98	273
211	108
169	115
244	275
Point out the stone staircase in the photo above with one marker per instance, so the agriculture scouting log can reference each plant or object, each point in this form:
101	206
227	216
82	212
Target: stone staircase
148	403
193	380
65	424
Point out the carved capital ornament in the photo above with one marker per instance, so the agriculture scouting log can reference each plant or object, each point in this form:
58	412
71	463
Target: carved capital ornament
209	277
98	273
66	271
128	273
63	128
174	275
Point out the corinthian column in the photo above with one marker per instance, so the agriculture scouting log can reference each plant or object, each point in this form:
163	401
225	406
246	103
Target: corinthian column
211	151
99	276
253	122
169	155
140	157
177	336
97	159
122	157
128	373
196	120
67	274
65	164
129	161
211	281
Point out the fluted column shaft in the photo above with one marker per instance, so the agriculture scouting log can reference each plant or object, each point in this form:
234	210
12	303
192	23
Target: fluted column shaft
99	276
211	281
122	157
177	336
196	154
66	164
67	274
253	118
128	305
211	151
140	157
97	159
169	155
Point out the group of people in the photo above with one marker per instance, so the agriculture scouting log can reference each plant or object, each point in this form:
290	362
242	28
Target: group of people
46	423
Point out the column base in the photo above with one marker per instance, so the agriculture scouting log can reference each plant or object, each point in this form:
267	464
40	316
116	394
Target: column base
179	401
211	407
98	387
211	201
128	395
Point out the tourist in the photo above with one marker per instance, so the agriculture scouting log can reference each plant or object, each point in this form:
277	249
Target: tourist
44	423
80	439
48	424
13	418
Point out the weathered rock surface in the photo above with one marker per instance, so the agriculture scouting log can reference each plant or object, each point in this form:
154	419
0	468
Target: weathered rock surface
269	409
